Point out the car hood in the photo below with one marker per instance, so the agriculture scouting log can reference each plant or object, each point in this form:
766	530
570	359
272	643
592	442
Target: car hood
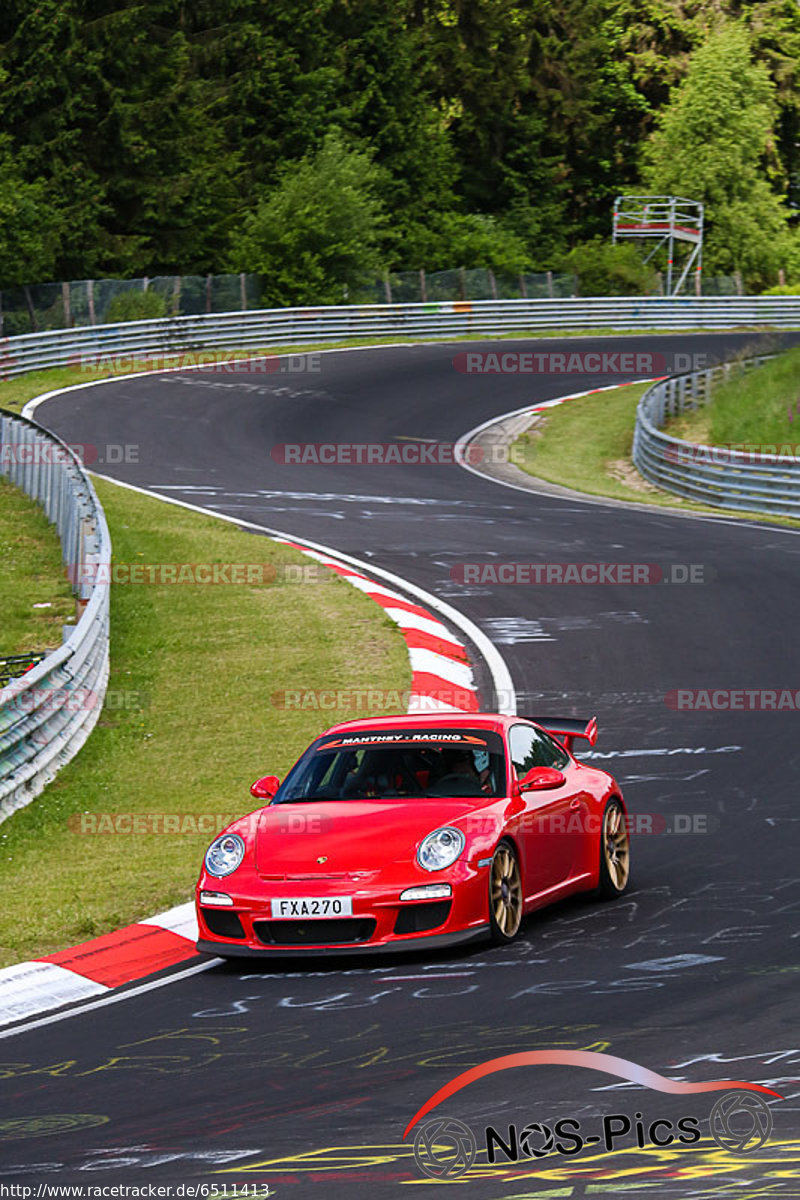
330	838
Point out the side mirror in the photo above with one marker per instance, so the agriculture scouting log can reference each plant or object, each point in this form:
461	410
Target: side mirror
266	787
541	778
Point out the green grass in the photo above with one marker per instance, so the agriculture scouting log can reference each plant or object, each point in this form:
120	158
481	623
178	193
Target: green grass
586	444
193	670
31	573
759	407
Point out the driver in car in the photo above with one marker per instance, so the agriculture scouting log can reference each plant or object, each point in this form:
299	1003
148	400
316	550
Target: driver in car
457	760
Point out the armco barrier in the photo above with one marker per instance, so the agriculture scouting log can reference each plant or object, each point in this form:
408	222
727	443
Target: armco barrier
40	729
719	476
47	713
296	326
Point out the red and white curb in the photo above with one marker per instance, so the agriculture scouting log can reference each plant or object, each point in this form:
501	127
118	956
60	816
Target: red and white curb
462	445
442	681
612	387
95	968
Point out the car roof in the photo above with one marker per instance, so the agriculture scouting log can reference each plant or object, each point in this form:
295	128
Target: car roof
437	720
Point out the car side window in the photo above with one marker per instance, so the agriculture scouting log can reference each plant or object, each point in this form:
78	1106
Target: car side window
558	755
531	748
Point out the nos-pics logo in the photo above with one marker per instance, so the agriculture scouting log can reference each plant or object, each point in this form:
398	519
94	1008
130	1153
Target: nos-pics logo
445	1148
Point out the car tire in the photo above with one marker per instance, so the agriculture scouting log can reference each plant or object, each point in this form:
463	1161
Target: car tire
505	894
615	858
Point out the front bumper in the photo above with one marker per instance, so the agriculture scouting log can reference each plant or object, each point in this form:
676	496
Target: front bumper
431	941
379	920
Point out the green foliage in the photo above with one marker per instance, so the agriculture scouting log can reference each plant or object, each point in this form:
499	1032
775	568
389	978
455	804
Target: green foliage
759	407
714	144
35	595
783	289
194	746
144	138
316	238
28	237
604	269
135	306
474	240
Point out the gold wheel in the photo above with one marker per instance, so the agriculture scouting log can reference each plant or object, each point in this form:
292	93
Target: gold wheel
505	894
615	851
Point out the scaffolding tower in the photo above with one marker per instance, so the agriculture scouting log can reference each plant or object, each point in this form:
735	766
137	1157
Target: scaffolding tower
670	219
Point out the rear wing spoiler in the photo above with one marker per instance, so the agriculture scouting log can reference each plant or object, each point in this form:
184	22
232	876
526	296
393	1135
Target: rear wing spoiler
566	729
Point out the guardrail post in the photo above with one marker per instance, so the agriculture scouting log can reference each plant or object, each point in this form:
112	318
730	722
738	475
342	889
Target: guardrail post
42	728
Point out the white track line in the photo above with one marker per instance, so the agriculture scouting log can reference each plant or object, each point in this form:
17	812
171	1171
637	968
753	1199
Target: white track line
501	676
113	998
461	457
66	985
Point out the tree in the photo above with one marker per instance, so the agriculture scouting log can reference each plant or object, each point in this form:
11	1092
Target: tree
28	227
316	238
109	103
485	60
159	125
715	144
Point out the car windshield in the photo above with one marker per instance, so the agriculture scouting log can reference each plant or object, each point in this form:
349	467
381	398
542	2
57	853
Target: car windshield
391	764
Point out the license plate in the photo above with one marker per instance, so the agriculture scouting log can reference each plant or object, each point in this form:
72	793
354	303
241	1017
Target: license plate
312	906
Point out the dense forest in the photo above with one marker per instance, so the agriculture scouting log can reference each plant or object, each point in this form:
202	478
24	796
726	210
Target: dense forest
321	141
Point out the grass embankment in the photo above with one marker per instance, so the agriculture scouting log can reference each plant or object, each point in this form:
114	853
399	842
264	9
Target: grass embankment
760	408
31	577
586	444
191	723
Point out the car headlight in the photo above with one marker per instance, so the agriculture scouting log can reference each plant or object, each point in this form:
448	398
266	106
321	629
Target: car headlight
224	854
440	849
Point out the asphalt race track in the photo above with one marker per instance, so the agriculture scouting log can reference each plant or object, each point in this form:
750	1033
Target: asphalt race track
304	1078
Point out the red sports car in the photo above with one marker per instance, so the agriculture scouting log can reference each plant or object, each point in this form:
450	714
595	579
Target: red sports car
395	833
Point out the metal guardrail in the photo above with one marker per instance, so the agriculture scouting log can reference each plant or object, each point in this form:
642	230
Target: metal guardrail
296	326
41	726
47	713
749	481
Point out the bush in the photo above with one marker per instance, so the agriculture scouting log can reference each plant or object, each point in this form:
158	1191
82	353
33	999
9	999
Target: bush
475	240
135	306
605	269
315	239
783	289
